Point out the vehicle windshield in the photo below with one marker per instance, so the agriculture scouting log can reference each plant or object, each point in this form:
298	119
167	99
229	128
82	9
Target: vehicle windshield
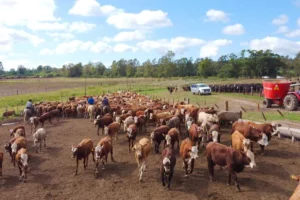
202	85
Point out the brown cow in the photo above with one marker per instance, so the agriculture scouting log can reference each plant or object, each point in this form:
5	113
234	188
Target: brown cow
1	160
239	142
172	137
18	131
102	122
188	153
214	134
112	129
140	121
83	150
234	160
44	117
195	134
103	148
131	133
158	135
296	194
168	163
250	132
8	113
142	150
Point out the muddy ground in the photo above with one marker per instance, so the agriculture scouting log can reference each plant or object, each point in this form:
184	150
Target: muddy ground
52	171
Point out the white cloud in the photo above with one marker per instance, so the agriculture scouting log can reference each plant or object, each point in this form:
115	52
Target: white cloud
236	29
73	46
211	49
119	48
277	45
282	29
46	52
216	15
14	63
20	12
66	36
79	27
244	43
294	33
92	8
100	47
144	20
280	20
127	36
10	36
178	44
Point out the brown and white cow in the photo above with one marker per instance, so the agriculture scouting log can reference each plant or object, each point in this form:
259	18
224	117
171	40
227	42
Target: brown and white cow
103	148
239	142
102	122
195	134
18	131
296	194
112	130
22	160
168	162
234	160
172	137
142	150
158	135
131	133
82	151
14	146
140	121
188	153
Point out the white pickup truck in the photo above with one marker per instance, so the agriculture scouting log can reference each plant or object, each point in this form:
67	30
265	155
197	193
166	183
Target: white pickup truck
200	88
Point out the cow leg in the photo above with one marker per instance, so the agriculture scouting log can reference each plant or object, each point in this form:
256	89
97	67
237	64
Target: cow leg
87	160
192	166
111	155
97	164
237	186
229	179
141	172
170	178
40	145
98	130
84	167
45	142
251	146
129	145
103	163
210	165
93	154
262	148
76	166
186	168
20	170
162	175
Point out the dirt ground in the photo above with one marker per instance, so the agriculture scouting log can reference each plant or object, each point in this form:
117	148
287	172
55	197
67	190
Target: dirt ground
52	171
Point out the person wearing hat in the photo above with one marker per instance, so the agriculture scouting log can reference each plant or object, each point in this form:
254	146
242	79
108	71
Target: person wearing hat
105	101
91	101
29	105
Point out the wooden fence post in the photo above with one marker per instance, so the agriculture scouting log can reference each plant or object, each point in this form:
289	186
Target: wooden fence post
188	100
258	107
251	91
226	105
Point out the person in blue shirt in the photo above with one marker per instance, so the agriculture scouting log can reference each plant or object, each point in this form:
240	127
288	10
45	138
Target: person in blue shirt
105	102
29	105
91	101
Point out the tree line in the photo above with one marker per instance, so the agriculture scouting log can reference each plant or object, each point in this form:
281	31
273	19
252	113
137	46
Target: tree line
247	63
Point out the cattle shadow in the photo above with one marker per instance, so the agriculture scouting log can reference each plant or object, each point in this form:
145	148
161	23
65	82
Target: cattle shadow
281	154
266	168
121	169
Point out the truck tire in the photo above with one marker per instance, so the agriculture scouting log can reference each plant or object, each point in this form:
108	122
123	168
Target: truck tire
267	103
290	102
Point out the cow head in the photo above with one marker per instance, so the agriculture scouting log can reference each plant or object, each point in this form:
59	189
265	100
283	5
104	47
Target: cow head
213	118
138	150
7	147
167	165
165	107
136	119
168	139
74	151
182	110
95	122
24	164
129	132
250	156
151	116
215	136
193	153
274	127
264	140
98	150
152	137
118	119
14	148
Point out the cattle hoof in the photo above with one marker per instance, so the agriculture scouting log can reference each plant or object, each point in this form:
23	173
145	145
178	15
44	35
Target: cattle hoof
24	181
164	184
186	175
141	180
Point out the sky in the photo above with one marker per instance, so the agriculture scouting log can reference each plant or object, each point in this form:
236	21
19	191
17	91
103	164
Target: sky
57	32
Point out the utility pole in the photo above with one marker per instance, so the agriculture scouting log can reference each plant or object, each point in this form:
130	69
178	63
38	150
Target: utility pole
85	86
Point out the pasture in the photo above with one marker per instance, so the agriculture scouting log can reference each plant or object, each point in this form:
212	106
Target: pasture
52	171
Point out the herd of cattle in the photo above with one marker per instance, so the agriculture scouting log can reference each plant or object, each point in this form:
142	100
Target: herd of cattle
196	128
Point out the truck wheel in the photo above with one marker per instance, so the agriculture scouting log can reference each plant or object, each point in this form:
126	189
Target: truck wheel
290	102
267	103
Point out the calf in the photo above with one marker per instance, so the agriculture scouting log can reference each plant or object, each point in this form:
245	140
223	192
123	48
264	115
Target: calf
188	153
34	121
38	137
234	160
112	129
131	133
102	122
18	131
140	121
128	121
172	137
1	160
168	163
82	151
103	148
22	160
296	194
8	113
44	117
195	134
239	142
158	135
142	150
55	113
14	146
